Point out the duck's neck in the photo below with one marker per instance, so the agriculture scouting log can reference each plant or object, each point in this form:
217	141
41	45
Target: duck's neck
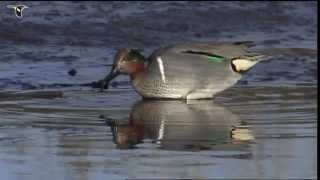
139	69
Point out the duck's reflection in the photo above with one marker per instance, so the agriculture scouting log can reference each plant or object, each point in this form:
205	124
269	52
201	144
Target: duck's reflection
177	125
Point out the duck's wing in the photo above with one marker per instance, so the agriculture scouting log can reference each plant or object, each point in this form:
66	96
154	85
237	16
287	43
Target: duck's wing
200	61
227	50
214	51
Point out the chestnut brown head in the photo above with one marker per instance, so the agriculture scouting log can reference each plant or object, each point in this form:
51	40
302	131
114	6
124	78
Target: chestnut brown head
126	61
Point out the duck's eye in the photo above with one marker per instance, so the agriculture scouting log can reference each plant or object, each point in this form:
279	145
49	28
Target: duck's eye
130	57
126	59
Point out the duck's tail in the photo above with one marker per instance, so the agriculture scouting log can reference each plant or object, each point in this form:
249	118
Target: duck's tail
255	57
252	56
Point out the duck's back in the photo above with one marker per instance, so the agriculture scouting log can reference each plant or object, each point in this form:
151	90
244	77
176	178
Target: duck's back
191	71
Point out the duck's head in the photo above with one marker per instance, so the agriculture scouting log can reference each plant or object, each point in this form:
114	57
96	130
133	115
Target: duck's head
126	61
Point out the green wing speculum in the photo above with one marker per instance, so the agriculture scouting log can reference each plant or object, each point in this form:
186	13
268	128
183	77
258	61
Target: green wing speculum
215	58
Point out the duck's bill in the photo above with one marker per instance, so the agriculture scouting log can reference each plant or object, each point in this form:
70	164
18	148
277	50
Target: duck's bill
105	82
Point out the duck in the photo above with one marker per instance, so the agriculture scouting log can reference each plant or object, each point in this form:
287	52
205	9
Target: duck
197	70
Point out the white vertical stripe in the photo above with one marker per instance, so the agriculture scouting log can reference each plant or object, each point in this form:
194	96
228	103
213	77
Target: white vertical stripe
161	68
161	132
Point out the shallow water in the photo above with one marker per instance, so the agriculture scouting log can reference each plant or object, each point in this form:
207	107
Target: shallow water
248	132
263	127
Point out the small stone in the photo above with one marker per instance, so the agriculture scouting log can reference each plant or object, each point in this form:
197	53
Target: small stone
72	72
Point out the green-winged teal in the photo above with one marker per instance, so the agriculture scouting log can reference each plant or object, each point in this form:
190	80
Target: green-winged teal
185	71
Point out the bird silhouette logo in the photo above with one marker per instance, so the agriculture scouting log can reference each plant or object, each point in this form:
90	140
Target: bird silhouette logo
18	9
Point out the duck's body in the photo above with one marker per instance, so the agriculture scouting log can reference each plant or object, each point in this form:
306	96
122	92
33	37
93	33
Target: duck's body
192	71
176	73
